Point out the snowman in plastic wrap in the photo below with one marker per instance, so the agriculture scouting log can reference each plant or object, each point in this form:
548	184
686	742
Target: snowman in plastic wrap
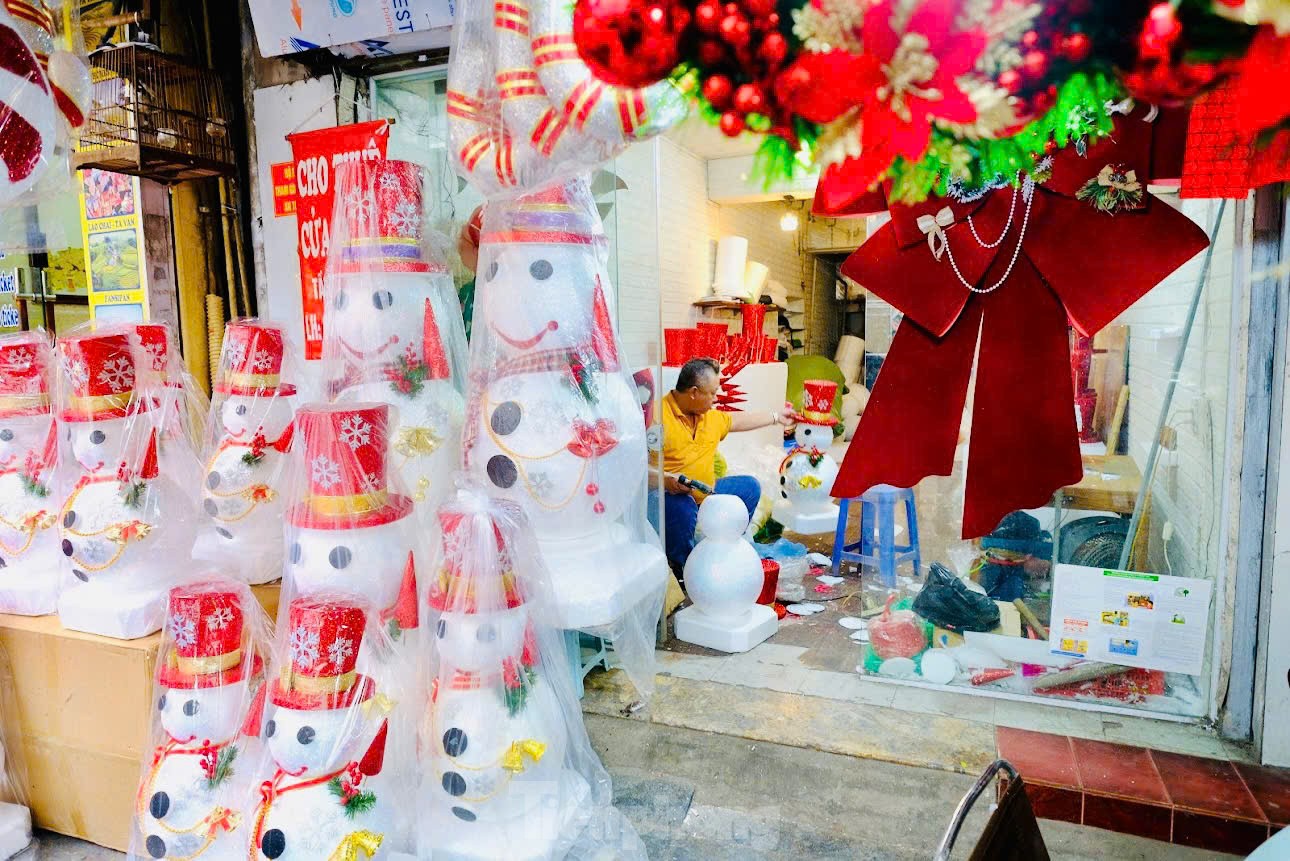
123	523
29	544
243	492
555	425
807	472
497	785
393	331
325	732
190	799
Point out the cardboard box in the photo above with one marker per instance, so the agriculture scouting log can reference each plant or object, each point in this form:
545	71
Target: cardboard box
84	708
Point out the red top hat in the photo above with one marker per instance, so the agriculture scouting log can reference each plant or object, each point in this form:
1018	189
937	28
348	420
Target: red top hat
817	403
324	638
561	215
345	458
98	372
465	581
381	211
155	340
24	374
251	360
205	625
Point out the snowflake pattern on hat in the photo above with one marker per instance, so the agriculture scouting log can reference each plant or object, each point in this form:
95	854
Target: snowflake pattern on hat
234	353
262	360
183	630
118	373
219	619
304	648
19	360
355	432
338	651
76	372
325	472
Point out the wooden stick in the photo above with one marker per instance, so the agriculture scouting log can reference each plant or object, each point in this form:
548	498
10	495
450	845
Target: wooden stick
1031	619
1082	673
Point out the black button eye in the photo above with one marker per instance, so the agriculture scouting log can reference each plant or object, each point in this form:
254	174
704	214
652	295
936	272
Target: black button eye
270	728
492	271
240	409
306	735
161	703
541	269
382	299
296	553
340	557
486	633
6	435
190	708
97	437
339	301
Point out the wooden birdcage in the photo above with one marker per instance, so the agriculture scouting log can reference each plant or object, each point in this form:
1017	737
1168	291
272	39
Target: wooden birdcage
155	115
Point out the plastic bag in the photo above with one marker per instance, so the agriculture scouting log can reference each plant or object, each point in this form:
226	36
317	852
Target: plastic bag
525	111
553	422
205	736
124	519
509	771
896	633
185	403
328	785
248	437
948	603
45	99
29	543
15	817
393	331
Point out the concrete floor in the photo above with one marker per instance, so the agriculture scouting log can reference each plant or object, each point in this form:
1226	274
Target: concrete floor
699	795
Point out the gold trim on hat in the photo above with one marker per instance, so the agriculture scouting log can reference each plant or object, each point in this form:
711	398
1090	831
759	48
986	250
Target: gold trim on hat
316	685
355	503
205	666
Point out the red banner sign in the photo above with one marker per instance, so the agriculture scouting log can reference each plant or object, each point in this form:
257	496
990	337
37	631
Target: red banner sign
317	154
283	175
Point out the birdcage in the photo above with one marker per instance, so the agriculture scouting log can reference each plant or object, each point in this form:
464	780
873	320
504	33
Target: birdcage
155	115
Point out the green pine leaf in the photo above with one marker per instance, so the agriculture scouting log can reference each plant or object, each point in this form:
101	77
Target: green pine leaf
223	767
357	804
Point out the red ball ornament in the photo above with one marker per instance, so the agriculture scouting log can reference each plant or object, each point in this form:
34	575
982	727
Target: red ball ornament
1159	31
772	20
1050	146
773	50
736	30
1076	47
707	16
749	99
630	43
759	8
1030	40
732	125
718	90
1034	65
712	53
1010	80
731	8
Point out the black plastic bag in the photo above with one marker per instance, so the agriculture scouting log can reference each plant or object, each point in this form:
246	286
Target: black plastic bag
948	603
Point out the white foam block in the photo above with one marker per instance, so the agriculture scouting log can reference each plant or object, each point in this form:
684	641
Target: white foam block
1017	649
15	829
813	523
108	611
695	626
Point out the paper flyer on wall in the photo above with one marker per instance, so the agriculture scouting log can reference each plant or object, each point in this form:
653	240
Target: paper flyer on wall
1152	621
283	27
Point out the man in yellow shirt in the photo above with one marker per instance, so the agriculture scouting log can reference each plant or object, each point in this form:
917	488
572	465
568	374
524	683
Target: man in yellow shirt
692	429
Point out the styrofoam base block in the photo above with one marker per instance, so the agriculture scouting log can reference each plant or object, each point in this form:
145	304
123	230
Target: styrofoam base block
15	829
29	593
538	835
109	610
804	522
595	584
695	626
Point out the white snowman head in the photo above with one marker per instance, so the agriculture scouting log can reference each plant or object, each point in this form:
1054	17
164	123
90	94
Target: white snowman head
809	435
314	741
242	417
20	434
98	445
816	420
25	360
99	401
371	560
480	642
198	714
722	517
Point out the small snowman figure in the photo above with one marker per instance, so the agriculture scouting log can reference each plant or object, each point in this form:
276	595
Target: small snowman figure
325	736
390	304
29	548
245	467
723	577
498	786
350	532
193	789
123	523
807	472
555	424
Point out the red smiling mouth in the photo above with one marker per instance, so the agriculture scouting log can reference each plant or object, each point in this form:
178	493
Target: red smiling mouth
527	343
368	354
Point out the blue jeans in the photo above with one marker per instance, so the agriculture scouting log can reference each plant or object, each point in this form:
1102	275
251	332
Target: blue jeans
681	513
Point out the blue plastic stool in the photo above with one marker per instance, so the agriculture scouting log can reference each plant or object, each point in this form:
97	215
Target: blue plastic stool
584	653
877	545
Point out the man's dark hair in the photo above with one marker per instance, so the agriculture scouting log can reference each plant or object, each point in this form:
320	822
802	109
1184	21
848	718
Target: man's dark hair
692	372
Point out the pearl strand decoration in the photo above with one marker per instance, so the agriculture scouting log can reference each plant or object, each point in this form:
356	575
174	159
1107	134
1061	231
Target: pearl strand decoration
1012	209
1028	192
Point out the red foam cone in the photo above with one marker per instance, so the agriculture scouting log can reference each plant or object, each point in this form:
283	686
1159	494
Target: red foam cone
254	716
602	333
404	610
432	352
374	760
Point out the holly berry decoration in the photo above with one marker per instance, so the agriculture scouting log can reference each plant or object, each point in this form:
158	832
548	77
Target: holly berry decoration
630	43
348	789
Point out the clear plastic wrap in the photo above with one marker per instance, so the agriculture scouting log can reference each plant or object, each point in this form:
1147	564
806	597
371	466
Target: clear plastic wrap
15	817
44	95
205	736
509	772
553	420
185	402
331	785
394	332
124	519
249	434
29	543
525	111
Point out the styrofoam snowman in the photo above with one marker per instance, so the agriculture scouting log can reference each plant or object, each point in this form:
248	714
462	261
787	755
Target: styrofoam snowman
326	737
723	577
190	798
123	522
557	427
392	316
350	533
497	785
243	492
29	544
807	472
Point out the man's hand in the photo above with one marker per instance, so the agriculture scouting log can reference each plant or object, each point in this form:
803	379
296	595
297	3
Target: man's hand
785	416
671	485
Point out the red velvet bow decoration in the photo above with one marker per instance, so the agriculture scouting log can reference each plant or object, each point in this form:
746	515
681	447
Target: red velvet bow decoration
593	440
1075	264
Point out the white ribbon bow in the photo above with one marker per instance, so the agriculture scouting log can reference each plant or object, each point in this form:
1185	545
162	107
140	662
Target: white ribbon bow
934	227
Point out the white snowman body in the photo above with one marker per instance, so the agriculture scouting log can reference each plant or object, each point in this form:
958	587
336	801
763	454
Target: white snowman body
374	320
805	484
537	300
180	794
29	543
310	822
244	495
366	561
723	574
